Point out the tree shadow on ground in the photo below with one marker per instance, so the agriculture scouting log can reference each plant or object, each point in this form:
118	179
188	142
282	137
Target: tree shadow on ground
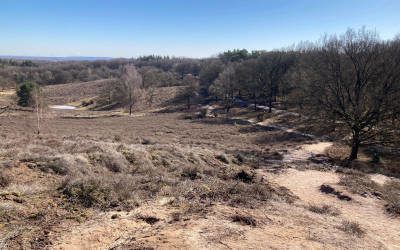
222	121
281	136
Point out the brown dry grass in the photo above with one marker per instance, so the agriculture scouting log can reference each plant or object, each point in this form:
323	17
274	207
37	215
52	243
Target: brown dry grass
73	92
81	166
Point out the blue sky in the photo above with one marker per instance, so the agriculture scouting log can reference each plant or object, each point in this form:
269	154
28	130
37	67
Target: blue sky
197	28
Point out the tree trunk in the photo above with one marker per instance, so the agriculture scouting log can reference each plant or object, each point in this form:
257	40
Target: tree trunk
355	144
270	100
37	112
38	119
130	109
270	105
255	102
227	108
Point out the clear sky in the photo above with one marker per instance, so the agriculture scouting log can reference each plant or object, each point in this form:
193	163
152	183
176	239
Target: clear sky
193	28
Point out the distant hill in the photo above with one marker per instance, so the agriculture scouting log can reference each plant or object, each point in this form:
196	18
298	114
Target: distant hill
56	59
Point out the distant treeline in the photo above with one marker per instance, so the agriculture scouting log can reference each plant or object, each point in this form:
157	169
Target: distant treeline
352	80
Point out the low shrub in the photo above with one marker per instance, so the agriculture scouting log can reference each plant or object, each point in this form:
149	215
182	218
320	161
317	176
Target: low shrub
212	189
57	166
244	220
148	219
105	191
324	209
393	207
359	183
223	158
239	158
244	177
112	160
392	196
352	228
190	172
89	192
5	180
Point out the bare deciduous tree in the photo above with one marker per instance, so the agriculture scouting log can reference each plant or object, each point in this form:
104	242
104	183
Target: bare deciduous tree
131	86
354	80
39	104
150	94
191	90
271	71
225	87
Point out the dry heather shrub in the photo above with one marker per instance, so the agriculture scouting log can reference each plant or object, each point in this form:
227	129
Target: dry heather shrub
244	176
183	162
324	209
5	179
190	172
244	220
393	207
59	164
392	197
223	158
359	183
352	228
101	191
88	192
212	189
32	151
338	152
108	189
110	159
149	219
139	160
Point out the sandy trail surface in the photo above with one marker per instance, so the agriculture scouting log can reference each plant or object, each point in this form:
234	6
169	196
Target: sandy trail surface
368	212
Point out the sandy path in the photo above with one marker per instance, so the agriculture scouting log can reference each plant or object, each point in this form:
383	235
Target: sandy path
368	212
304	152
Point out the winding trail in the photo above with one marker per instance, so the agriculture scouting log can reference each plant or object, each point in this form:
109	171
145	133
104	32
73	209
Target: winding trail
304	152
369	212
291	226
